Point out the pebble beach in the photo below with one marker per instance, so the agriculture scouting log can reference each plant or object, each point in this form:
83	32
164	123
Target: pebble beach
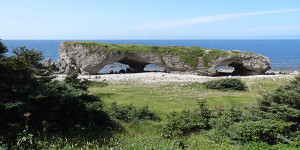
161	77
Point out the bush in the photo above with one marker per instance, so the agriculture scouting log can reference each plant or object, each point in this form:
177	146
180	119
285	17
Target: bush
73	81
226	84
242	124
185	122
130	113
32	103
66	106
265	130
224	119
283	103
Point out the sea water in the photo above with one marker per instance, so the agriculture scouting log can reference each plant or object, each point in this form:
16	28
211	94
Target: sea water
284	54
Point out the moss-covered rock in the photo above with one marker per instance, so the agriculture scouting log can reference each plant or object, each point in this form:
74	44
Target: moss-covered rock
90	57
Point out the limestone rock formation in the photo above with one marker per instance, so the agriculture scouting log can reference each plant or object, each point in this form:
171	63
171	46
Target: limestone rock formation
47	62
89	57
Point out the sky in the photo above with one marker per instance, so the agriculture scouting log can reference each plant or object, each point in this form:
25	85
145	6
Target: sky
149	19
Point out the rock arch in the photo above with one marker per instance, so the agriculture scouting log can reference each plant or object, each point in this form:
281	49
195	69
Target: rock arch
90	57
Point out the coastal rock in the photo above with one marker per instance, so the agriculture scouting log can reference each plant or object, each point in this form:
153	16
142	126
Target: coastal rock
47	62
90	57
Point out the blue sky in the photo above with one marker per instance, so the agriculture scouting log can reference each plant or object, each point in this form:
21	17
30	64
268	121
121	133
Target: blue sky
150	19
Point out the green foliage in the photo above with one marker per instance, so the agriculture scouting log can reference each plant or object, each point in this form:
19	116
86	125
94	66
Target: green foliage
24	139
239	124
283	103
224	119
130	113
32	102
65	106
265	130
185	122
21	78
3	49
275	120
226	84
73	81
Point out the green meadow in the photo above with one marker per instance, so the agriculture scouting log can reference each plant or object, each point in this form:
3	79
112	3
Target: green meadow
168	97
174	96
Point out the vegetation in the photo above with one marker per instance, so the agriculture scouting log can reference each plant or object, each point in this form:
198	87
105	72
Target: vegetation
130	113
37	112
32	104
226	84
283	104
213	55
187	121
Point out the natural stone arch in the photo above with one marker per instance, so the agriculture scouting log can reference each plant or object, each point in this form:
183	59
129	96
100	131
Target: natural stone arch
90	57
244	65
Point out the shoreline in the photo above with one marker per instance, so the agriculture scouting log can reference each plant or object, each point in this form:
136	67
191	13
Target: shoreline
161	77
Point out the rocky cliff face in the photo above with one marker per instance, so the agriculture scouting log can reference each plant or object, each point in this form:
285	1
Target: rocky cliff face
90	57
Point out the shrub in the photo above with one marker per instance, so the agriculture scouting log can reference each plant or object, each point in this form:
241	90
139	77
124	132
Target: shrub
129	113
73	81
65	106
32	102
226	84
244	125
265	130
283	103
185	122
224	119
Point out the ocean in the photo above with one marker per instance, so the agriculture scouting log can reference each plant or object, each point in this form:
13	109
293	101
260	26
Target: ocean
284	54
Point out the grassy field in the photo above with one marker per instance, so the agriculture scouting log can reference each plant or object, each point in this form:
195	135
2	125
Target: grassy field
165	98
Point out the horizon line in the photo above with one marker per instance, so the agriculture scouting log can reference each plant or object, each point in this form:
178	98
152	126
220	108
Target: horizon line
156	39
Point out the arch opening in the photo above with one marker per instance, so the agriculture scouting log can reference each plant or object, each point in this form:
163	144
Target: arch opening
234	69
113	68
153	68
130	66
225	70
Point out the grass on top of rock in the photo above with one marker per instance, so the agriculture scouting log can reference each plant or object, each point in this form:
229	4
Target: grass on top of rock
188	54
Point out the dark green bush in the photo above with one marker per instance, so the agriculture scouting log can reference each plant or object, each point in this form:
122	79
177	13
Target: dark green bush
130	113
283	103
224	119
265	130
31	102
241	124
66	106
185	122
73	81
226	84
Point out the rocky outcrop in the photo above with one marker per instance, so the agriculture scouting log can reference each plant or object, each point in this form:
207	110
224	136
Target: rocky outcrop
47	62
89	57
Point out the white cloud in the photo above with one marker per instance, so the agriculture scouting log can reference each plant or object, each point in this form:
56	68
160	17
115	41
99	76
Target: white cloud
273	29
199	20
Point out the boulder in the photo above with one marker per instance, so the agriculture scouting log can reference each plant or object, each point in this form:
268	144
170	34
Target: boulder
90	57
